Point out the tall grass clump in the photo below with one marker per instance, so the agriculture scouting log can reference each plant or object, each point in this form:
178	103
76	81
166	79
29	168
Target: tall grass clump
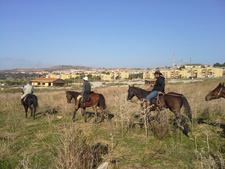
76	150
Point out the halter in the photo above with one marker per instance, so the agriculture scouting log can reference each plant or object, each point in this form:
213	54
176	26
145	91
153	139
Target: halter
218	95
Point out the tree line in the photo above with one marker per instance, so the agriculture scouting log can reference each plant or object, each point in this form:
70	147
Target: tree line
219	65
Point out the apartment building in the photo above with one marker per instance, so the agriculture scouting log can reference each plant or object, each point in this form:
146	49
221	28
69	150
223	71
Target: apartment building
199	72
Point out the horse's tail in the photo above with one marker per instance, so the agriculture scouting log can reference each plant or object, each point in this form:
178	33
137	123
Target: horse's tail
187	108
101	102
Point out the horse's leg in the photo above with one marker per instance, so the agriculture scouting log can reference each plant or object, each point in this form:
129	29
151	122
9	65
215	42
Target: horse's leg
176	120
34	111
85	114
26	109
182	121
31	109
96	113
74	115
103	114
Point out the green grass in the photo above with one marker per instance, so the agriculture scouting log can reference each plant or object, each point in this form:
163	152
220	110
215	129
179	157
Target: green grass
36	143
39	139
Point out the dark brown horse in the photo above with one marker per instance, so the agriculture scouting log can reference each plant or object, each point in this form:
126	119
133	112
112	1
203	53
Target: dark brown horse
216	93
96	100
30	101
172	101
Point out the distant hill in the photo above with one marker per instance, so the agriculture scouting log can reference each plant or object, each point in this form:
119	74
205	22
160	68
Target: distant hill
53	68
65	67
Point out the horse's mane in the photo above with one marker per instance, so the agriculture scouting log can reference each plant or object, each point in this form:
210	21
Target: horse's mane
221	84
140	91
72	93
218	87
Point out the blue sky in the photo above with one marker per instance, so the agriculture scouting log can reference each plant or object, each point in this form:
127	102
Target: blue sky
111	33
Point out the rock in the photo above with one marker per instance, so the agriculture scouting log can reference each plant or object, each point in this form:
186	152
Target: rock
103	165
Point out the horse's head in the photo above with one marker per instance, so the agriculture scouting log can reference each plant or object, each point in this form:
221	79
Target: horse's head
216	93
131	93
69	97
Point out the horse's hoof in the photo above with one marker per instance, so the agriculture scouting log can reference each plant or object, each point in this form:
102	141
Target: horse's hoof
102	120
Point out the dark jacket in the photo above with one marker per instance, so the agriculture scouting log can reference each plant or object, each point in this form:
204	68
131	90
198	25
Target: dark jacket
159	84
86	88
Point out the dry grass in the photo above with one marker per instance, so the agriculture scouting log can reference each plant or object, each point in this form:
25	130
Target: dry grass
48	142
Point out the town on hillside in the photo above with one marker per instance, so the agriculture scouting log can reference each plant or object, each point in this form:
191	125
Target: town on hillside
70	74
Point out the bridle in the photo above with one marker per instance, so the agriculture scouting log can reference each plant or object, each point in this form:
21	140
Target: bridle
69	98
218	95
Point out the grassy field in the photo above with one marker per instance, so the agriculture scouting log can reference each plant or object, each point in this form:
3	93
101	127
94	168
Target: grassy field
53	142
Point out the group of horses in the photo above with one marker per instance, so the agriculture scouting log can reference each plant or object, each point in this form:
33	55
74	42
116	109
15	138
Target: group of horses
172	101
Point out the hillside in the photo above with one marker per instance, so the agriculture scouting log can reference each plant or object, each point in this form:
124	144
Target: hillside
53	68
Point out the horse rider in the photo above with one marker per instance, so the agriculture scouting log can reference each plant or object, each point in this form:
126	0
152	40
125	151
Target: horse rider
27	89
85	91
158	87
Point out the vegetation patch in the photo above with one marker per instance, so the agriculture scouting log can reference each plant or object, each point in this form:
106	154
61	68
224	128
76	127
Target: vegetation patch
51	142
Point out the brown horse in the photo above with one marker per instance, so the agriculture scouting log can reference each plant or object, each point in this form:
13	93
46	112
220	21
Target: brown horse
172	101
96	100
216	93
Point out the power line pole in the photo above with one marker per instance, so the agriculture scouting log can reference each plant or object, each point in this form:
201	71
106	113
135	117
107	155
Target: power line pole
173	59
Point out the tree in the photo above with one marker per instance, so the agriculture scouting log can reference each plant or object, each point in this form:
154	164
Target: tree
219	65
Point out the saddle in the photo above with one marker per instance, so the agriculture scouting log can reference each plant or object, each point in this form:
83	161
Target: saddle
157	100
86	97
25	98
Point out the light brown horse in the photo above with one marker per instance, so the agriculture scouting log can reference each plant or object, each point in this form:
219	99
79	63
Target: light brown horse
96	100
216	93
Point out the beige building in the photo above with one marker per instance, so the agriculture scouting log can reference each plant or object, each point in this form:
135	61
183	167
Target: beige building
74	76
148	75
198	72
47	82
124	75
106	77
54	76
65	76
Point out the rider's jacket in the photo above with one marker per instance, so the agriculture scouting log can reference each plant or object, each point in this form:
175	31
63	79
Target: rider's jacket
159	84
86	88
27	89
